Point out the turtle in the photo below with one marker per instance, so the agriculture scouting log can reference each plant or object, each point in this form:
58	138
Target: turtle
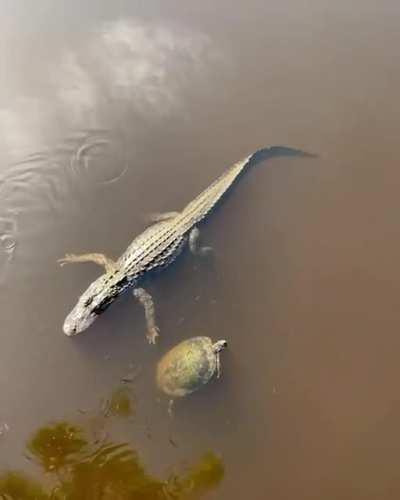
188	366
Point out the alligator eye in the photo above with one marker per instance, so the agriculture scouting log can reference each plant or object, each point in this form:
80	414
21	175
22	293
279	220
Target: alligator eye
102	306
88	301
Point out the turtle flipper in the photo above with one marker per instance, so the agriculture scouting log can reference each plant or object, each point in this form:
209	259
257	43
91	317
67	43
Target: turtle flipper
218	365
171	408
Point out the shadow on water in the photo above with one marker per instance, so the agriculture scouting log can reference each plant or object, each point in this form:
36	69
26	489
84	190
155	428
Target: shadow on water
77	463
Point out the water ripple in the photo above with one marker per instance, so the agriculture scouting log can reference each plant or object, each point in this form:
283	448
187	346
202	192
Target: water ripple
8	241
49	181
99	160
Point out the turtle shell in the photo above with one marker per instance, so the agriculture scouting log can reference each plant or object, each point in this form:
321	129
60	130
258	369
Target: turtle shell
187	367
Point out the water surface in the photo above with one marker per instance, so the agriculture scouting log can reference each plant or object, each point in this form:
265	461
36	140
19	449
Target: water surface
110	111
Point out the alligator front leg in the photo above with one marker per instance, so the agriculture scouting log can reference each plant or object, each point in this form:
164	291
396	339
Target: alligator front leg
97	258
161	217
147	302
194	244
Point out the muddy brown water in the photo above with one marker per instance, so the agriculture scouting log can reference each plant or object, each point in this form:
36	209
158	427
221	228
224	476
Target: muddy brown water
112	110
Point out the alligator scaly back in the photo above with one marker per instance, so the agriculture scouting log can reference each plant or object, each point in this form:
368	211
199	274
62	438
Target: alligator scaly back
200	207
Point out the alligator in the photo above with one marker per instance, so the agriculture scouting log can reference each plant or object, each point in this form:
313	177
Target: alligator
155	249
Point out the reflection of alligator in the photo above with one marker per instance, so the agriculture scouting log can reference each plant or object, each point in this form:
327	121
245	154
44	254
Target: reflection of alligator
86	471
155	248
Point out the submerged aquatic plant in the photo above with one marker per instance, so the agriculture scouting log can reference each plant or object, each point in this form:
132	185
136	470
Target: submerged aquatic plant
17	486
56	446
85	470
119	404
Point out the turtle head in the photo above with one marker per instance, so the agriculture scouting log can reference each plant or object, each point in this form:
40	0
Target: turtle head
220	345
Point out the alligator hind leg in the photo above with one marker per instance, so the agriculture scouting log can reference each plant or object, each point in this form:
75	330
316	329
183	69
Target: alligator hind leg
161	217
97	258
194	244
147	302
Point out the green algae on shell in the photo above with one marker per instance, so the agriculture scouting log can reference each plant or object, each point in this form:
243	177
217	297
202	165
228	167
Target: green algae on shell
188	366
